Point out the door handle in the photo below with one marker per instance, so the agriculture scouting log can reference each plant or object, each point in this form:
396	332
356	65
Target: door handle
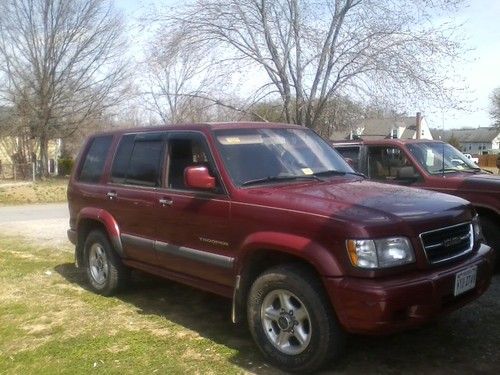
111	195
166	201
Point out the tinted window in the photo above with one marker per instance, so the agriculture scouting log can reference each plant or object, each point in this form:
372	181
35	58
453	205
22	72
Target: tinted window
93	164
122	158
145	163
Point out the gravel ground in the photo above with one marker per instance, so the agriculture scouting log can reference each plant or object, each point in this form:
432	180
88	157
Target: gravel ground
45	223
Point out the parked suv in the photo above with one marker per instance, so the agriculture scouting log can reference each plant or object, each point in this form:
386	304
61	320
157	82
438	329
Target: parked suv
432	165
272	217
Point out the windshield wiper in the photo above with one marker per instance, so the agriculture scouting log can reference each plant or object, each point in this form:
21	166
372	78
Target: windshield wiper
332	172
280	178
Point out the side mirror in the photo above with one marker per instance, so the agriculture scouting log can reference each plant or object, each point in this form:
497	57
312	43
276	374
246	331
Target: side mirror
350	162
198	177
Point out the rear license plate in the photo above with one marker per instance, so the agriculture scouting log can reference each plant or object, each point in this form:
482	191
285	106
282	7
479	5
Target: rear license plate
465	280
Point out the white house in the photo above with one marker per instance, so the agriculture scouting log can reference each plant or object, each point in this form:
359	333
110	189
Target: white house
473	141
380	128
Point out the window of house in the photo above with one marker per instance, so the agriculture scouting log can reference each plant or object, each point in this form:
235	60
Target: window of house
93	164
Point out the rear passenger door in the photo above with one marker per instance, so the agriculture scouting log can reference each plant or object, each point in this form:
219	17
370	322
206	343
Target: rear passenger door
136	176
192	226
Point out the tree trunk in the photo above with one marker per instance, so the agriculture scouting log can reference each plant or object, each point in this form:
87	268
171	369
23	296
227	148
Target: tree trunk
44	156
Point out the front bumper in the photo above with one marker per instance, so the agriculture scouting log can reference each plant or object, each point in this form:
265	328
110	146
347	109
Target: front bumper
382	306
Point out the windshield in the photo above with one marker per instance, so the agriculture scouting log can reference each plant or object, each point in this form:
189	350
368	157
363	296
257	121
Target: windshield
273	154
437	157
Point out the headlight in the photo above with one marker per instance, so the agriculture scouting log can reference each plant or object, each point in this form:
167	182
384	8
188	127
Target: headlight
382	253
476	225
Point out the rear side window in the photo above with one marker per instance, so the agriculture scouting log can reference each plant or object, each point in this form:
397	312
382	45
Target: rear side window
138	160
122	158
95	158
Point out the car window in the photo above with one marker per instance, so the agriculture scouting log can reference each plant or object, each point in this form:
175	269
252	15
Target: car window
350	153
187	150
389	164
93	164
122	159
144	167
267	154
138	160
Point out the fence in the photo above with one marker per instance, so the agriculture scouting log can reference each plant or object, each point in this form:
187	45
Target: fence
488	161
17	172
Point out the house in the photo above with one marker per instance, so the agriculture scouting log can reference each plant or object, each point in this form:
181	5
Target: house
380	128
477	141
20	150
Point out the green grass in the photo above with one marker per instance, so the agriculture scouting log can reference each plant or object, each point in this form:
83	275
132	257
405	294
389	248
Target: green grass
49	191
49	322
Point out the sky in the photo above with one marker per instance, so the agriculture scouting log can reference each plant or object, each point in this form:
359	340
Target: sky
480	70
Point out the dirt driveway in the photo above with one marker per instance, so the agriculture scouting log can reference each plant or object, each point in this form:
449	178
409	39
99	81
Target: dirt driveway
45	223
466	341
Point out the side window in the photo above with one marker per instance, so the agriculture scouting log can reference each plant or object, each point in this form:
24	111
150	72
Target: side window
138	161
122	159
93	164
184	151
390	164
351	154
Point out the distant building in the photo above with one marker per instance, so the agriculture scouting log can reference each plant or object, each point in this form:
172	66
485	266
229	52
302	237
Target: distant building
472	141
400	128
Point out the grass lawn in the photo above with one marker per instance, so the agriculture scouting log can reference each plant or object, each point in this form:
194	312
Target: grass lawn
49	323
49	191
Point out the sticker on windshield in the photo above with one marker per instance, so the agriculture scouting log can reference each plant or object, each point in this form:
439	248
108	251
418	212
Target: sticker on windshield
233	140
307	171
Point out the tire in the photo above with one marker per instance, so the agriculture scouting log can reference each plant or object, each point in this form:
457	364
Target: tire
305	335
491	232
105	271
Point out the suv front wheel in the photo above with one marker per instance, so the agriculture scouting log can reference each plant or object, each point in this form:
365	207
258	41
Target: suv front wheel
105	271
291	320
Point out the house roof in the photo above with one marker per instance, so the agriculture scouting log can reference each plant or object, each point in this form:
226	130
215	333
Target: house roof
478	135
381	127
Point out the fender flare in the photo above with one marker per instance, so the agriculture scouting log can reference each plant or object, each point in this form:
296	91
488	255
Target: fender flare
320	258
107	220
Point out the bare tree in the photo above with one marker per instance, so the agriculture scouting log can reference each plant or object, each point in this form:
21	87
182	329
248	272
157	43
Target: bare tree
63	58
312	51
495	106
186	84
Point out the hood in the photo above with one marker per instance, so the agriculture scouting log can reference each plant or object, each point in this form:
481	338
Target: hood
483	182
363	202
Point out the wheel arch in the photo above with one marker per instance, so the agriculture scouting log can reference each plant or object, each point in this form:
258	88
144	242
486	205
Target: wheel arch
263	251
96	219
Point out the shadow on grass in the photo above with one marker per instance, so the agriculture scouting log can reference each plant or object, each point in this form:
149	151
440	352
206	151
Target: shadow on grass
207	314
465	341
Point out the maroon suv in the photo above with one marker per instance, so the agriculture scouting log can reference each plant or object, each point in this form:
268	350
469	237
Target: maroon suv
272	217
432	165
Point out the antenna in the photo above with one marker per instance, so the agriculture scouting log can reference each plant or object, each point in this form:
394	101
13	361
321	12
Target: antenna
442	144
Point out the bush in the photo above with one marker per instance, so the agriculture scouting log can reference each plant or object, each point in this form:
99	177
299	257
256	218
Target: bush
65	166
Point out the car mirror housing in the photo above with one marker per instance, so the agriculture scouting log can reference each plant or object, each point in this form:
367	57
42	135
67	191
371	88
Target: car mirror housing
198	177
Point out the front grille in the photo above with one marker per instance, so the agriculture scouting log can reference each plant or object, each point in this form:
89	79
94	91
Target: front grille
448	243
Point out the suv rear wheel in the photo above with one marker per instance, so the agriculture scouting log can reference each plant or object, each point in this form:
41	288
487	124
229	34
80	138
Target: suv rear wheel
291	320
105	271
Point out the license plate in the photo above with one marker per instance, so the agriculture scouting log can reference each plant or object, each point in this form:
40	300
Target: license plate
465	280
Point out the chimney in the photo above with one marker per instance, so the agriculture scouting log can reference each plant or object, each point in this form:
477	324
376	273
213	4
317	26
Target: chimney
419	124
